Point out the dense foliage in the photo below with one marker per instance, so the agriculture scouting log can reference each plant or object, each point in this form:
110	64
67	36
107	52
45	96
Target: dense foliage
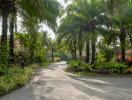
19	49
12	78
76	65
90	22
101	68
92	35
112	67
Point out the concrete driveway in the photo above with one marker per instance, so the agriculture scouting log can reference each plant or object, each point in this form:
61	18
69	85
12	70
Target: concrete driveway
54	83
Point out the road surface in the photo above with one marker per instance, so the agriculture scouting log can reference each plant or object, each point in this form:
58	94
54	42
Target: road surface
54	83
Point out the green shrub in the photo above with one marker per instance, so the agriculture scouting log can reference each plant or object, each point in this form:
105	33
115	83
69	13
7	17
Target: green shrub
3	70
14	78
112	67
106	53
44	64
4	55
57	59
76	65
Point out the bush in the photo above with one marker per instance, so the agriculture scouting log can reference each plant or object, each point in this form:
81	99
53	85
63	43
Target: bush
76	65
3	70
112	67
13	78
105	53
57	59
4	55
40	56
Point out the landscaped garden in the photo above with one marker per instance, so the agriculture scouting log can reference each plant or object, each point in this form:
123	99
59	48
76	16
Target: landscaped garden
97	34
102	68
93	36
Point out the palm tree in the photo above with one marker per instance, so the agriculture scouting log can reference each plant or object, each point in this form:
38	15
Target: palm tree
87	52
90	18
82	17
70	39
43	10
116	6
5	9
12	25
80	44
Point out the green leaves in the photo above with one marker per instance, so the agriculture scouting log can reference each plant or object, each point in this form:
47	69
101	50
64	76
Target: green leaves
13	78
75	65
4	55
43	10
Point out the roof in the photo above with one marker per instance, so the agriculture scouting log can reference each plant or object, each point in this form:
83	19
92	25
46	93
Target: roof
128	51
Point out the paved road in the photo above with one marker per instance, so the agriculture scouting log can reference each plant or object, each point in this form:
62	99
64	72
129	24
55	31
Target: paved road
54	83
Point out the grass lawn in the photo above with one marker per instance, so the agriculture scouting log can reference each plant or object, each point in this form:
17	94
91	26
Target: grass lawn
102	75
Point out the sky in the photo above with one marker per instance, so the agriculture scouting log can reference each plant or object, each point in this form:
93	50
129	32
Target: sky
46	28
43	27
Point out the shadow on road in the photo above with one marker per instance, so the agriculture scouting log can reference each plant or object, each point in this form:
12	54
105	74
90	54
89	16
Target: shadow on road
107	88
54	84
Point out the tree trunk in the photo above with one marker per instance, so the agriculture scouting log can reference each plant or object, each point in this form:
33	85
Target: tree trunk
130	37
87	52
33	39
71	51
11	42
31	48
93	52
4	27
75	51
80	54
122	38
75	54
52	53
32	55
16	24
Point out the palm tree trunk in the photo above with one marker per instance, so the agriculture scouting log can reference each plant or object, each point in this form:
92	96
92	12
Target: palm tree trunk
122	38
130	37
4	26
52	53
87	53
11	42
75	51
75	54
31	53
72	53
33	39
80	54
93	52
16	24
31	56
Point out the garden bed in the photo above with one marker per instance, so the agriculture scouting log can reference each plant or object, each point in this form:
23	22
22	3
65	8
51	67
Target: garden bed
110	68
13	78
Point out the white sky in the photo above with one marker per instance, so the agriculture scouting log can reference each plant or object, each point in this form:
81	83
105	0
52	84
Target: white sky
43	27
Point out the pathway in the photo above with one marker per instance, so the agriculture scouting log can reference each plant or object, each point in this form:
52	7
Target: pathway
54	83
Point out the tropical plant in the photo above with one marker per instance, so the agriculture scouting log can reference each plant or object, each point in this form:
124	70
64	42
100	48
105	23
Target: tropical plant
81	21
43	10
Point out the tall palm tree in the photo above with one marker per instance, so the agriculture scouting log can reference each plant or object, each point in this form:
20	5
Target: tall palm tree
5	9
12	25
82	16
43	10
116	6
91	18
70	39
